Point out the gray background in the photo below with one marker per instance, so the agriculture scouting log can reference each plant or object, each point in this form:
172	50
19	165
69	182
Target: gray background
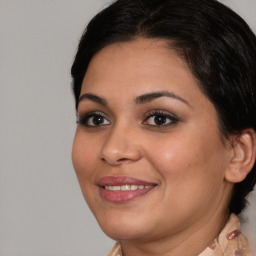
42	212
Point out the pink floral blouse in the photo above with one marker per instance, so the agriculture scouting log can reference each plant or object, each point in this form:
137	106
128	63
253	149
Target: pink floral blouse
230	242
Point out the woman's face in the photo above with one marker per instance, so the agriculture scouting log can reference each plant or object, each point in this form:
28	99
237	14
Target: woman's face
147	150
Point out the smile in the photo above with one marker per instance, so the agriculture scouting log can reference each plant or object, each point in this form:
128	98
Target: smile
127	187
120	189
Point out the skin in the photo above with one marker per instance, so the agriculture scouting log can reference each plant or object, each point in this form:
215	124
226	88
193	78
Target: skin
187	158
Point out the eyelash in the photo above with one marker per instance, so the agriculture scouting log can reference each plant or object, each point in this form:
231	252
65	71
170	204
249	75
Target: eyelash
161	113
85	119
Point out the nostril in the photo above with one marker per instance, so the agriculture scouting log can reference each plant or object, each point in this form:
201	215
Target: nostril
122	159
114	161
103	159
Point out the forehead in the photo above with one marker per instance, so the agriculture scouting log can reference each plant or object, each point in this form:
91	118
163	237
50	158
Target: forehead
139	52
147	62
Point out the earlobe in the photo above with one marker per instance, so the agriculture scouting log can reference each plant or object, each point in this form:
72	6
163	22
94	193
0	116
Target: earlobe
242	156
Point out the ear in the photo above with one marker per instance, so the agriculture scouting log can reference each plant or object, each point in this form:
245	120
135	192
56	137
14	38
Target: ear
243	153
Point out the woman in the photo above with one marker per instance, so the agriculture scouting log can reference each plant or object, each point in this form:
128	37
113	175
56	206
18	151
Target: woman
165	145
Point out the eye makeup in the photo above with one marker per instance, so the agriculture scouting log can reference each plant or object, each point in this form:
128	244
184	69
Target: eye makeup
160	118
93	119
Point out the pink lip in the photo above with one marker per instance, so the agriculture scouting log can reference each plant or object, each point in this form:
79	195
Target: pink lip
122	196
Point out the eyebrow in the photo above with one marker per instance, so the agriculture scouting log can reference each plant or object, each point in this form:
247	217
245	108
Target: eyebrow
94	98
148	97
142	99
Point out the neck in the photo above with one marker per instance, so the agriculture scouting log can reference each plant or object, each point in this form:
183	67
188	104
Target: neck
189	242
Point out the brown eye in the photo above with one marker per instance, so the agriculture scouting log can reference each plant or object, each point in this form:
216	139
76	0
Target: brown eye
97	120
160	119
93	120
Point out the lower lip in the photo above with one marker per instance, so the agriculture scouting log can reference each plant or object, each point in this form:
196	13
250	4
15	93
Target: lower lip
123	196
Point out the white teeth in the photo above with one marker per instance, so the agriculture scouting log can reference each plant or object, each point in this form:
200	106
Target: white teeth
127	187
116	188
113	188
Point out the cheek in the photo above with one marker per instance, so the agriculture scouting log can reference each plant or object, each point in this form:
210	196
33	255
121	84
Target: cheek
174	154
191	178
186	161
83	156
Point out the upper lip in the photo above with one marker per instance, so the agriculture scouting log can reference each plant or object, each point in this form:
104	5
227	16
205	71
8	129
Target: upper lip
122	180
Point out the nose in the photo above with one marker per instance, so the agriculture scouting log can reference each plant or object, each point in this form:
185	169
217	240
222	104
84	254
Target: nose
121	145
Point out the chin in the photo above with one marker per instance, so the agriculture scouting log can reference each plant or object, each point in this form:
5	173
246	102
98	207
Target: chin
126	234
128	228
